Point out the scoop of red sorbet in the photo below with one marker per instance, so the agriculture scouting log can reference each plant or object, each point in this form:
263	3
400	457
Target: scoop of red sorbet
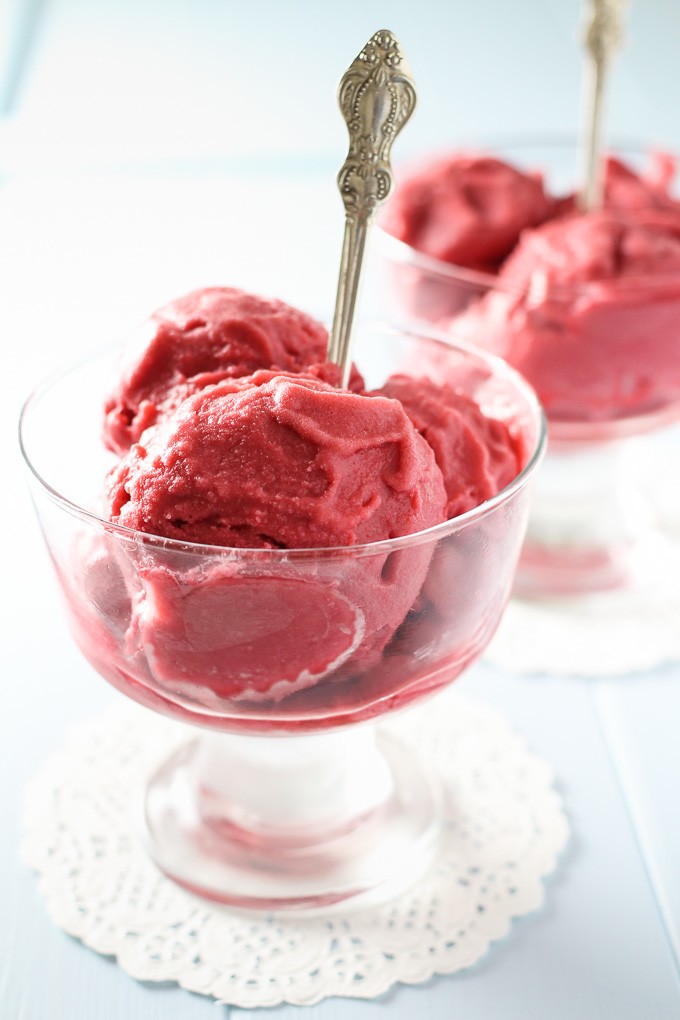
280	461
477	455
199	339
467	209
272	461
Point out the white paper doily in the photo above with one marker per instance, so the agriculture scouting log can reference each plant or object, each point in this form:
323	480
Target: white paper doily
609	634
504	830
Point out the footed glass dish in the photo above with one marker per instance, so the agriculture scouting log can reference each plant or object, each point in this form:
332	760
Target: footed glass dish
283	661
592	526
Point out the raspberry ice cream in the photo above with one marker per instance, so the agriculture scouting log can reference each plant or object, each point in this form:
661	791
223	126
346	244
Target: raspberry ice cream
626	190
275	461
466	209
279	461
477	455
201	338
588	310
470	210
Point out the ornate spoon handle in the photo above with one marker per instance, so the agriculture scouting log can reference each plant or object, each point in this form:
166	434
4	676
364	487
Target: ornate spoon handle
377	96
603	37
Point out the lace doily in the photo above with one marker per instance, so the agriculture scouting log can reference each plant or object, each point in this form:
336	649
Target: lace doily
614	633
504	830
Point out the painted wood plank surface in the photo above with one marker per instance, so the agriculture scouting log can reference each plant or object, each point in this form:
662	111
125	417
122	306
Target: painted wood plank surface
640	718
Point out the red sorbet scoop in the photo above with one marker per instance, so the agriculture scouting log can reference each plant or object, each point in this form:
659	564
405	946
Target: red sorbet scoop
202	338
477	455
466	209
273	461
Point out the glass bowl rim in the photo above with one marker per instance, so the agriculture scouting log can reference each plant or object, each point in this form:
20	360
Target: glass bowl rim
385	546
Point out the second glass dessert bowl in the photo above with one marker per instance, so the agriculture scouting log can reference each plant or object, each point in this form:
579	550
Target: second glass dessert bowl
604	363
288	795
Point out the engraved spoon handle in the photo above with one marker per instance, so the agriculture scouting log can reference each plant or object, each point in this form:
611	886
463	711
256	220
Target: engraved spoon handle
376	96
603	37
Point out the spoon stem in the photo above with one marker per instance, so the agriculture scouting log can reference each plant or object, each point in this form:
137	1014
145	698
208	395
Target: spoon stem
592	194
603	37
353	248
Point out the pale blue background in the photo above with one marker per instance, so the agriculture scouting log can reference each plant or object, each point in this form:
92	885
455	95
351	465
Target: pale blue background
147	147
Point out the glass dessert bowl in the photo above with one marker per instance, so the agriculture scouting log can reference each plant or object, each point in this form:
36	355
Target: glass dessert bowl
591	317
593	526
289	795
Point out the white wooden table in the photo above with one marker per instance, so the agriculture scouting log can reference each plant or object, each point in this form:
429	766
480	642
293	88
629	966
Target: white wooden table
145	151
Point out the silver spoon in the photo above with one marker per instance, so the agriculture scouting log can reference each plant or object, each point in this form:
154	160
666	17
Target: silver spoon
604	34
377	96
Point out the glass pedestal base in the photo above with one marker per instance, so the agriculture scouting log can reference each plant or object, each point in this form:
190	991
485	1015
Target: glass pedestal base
307	822
589	521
